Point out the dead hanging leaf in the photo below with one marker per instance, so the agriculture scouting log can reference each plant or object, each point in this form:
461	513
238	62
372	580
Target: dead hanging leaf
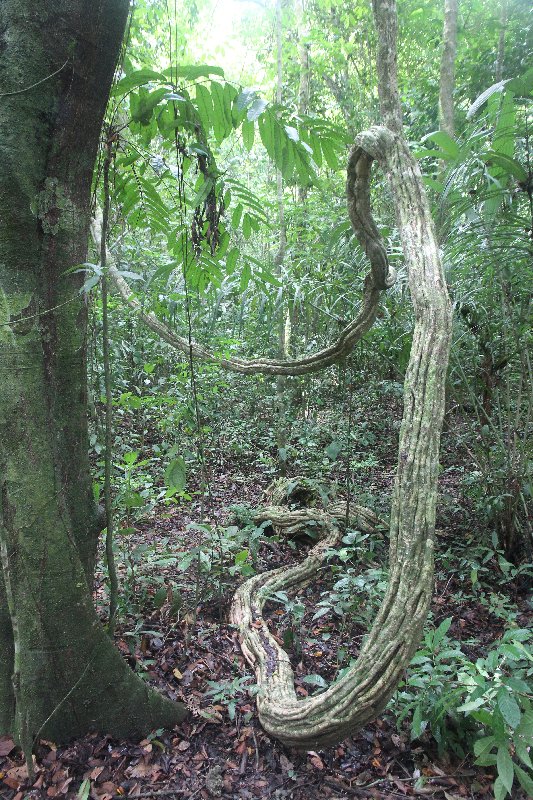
6	745
177	674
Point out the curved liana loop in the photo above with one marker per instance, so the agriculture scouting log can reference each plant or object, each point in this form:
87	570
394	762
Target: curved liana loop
360	212
364	690
380	277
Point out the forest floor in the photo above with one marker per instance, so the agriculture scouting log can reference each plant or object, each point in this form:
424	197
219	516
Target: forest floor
174	632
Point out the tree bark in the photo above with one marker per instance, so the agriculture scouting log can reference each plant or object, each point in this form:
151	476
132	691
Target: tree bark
282	409
447	68
365	689
59	673
500	60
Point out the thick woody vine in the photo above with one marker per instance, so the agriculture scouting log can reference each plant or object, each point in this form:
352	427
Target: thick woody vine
362	692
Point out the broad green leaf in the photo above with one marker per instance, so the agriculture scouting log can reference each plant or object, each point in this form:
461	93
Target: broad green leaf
504	764
221	126
509	708
230	108
190	72
471	705
287	167
329	153
142	105
245	98
266	132
138	78
236	216
246	226
292	133
525	781
446	142
523	86
203	192
247	130
522	751
500	792
256	109
245	277
503	140
418	724
231	259
483	745
333	449
442	630
204	104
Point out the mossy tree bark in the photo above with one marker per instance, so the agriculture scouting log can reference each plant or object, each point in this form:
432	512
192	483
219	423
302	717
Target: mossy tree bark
366	688
59	673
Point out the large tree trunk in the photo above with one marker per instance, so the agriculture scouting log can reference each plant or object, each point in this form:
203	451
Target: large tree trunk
366	688
59	673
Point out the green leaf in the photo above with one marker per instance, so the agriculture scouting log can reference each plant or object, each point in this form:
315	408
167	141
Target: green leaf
441	631
83	791
246	226
237	215
509	708
256	109
329	153
292	133
446	142
204	104
142	105
241	557
175	473
418	725
266	132
471	705
231	259
203	192
523	86
245	277
524	780
522	751
190	72
247	130
333	449
138	78
483	745
500	792
504	764
221	124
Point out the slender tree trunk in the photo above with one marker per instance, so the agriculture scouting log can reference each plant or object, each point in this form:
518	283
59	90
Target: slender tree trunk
56	65
304	87
501	41
447	68
283	343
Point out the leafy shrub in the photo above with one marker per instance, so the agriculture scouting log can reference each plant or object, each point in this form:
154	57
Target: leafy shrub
484	708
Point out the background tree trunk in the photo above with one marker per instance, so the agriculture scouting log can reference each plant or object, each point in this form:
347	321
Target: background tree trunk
447	68
56	66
